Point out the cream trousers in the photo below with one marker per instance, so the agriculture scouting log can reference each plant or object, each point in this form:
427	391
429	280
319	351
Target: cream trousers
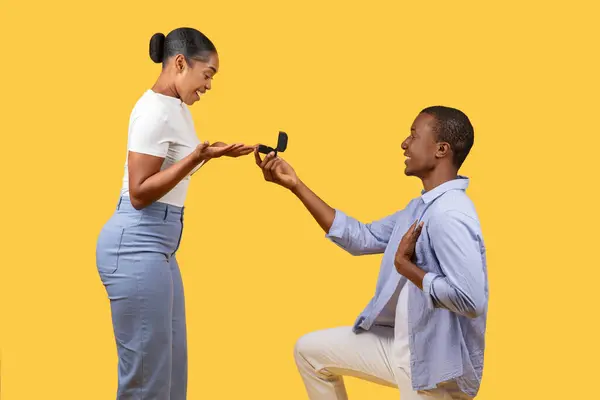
324	357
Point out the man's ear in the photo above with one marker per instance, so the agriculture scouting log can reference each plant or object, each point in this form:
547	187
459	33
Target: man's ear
443	150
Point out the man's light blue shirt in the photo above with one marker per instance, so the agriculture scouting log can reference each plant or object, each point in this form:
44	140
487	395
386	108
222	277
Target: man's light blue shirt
447	319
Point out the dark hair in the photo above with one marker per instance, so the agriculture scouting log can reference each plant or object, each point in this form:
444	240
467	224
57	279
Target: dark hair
189	42
453	127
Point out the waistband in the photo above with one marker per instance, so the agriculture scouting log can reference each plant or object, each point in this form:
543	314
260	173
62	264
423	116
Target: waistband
156	209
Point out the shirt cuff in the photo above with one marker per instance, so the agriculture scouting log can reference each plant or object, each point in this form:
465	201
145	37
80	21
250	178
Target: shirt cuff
427	281
337	227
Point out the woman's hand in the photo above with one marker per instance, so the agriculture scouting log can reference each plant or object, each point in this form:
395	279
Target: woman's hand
205	152
238	152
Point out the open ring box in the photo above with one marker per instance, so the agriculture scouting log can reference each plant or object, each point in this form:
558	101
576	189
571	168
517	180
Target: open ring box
281	145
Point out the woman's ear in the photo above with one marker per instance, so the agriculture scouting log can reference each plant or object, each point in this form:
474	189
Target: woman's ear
179	63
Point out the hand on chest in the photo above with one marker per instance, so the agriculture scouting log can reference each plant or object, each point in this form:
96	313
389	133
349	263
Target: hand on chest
408	242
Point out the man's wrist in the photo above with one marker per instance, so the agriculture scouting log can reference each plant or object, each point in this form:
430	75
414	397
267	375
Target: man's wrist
402	264
297	188
411	271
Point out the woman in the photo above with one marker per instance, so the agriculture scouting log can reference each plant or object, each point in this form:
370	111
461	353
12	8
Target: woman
136	249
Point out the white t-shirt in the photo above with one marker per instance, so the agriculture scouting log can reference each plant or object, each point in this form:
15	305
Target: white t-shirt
395	313
401	348
162	126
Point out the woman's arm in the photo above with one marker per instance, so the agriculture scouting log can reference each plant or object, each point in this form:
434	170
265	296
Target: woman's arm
147	183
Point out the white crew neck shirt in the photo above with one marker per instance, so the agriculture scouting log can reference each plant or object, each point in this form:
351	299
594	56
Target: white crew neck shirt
162	126
401	348
395	314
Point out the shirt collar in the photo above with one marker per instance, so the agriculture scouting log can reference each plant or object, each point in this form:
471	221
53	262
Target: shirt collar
460	183
170	99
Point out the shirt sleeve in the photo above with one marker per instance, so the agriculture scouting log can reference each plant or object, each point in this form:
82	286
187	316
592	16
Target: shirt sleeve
455	241
148	134
358	238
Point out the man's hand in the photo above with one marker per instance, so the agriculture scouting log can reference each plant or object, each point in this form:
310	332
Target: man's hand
404	256
406	248
276	170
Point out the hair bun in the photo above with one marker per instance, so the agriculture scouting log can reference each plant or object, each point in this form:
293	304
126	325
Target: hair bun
157	47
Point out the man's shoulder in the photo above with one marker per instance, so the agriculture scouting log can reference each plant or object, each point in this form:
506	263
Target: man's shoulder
454	204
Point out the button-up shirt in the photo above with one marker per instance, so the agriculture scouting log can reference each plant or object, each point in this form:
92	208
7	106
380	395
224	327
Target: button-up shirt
447	319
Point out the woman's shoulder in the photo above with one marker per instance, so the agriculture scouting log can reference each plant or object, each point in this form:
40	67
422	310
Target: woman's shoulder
151	102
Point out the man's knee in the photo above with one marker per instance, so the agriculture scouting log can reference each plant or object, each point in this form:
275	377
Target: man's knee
300	347
307	346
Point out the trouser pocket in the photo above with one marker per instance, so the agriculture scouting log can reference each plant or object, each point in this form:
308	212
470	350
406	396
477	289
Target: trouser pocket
107	249
180	236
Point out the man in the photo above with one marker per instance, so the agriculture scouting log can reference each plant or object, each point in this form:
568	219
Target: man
424	329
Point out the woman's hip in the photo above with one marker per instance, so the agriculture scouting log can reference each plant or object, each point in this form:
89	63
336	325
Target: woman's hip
134	235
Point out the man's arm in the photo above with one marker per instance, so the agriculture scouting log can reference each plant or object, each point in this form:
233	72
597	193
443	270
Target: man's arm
321	211
455	241
351	235
355	237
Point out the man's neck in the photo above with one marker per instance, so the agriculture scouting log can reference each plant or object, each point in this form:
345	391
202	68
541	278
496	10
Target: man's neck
437	177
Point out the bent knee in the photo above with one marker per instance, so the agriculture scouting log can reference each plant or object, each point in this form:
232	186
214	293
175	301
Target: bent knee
324	341
314	345
309	345
303	345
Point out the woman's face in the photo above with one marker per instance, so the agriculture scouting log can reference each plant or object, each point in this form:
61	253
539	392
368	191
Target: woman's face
192	81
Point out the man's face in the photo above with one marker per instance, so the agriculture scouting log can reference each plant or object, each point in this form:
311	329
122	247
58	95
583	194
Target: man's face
420	147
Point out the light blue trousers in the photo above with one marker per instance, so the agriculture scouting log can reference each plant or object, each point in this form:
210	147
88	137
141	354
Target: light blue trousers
135	257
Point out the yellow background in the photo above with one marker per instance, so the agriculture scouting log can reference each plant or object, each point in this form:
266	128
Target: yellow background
345	80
